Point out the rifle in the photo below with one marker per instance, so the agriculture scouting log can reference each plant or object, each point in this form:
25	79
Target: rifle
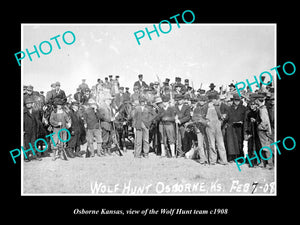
177	150
115	139
64	154
177	139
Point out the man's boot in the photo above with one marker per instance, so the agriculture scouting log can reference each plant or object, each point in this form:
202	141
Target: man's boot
172	147
163	151
100	151
77	150
69	153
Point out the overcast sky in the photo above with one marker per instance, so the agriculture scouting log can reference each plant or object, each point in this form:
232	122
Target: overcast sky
203	53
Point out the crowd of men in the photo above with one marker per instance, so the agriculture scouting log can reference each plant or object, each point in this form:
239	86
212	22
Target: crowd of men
170	119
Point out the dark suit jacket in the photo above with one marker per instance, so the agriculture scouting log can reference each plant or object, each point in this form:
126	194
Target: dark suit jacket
137	83
184	115
52	95
146	116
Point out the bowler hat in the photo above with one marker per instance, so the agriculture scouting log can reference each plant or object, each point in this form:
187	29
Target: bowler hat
140	75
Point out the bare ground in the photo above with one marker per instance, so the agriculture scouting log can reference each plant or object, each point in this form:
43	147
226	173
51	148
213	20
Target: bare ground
126	175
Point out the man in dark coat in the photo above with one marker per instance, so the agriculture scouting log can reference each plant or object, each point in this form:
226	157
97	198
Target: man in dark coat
142	119
56	94
201	123
183	115
140	83
234	132
78	95
212	89
75	130
91	118
251	121
31	124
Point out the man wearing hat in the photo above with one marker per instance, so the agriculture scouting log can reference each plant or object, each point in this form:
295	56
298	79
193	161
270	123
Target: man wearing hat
251	130
166	118
31	126
201	123
118	99
24	89
107	118
178	89
178	83
234	131
29	93
142	118
183	115
78	95
75	130
106	83
212	89
49	94
186	85
212	113
56	94
59	119
91	118
134	98
122	118
114	86
83	86
264	131
140	83
127	92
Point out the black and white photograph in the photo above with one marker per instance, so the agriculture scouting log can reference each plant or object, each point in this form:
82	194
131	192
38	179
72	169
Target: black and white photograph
144	109
149	111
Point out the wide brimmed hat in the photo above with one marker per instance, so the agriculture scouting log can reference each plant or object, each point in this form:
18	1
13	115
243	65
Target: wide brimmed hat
212	85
